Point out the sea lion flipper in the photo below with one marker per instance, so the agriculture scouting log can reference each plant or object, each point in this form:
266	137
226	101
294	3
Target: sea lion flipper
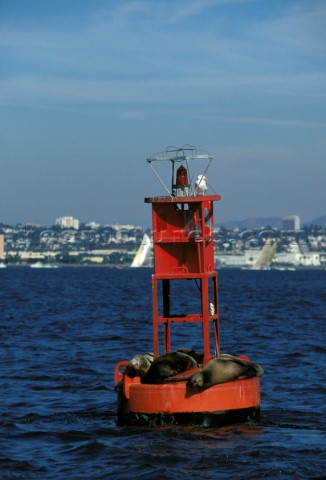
259	370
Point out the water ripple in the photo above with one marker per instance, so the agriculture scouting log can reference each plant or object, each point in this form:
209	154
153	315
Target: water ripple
63	330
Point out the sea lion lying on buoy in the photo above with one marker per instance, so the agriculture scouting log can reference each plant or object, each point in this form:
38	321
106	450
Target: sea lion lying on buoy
167	366
197	356
242	361
139	365
224	369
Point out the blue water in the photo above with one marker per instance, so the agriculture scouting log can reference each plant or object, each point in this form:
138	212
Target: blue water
63	330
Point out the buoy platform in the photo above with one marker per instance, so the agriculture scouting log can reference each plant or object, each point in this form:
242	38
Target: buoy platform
174	403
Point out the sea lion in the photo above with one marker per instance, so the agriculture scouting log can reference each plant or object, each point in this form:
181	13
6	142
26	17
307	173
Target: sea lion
243	362
224	369
139	365
197	356
167	366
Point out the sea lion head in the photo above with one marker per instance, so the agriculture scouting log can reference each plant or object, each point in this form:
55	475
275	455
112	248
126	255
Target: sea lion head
196	381
135	361
141	363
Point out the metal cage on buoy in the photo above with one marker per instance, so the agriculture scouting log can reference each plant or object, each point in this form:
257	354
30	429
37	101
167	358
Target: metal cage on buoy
183	247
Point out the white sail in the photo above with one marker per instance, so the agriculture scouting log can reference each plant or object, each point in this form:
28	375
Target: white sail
143	252
266	255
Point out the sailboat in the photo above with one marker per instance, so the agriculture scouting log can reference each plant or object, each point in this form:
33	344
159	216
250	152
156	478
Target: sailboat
265	257
142	256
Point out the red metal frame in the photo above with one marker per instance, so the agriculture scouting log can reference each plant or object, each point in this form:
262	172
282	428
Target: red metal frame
183	240
183	243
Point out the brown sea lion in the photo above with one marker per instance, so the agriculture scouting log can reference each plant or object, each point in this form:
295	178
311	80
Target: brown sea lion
243	362
197	356
167	366
139	365
224	369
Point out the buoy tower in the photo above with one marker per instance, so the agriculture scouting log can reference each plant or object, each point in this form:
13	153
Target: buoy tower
183	247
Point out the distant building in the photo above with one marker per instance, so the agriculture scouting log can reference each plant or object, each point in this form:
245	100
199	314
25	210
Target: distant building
92	225
292	222
2	246
67	222
119	227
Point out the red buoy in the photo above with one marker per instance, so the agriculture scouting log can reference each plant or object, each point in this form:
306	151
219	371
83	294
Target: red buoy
183	245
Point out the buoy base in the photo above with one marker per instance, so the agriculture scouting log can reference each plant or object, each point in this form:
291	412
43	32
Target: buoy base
152	405
175	403
197	419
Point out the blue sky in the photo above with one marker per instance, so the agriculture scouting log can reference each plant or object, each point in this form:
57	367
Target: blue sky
90	88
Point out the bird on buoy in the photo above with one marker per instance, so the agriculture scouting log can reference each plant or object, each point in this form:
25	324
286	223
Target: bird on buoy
201	185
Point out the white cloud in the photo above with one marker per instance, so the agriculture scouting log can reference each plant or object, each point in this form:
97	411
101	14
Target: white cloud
206	90
185	9
268	121
137	35
175	69
301	28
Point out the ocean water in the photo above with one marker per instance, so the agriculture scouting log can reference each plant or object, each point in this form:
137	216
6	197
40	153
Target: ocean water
62	332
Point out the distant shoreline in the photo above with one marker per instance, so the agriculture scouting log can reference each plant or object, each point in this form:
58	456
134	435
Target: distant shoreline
128	267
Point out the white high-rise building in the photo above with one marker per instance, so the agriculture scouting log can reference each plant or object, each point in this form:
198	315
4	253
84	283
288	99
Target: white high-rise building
67	222
292	222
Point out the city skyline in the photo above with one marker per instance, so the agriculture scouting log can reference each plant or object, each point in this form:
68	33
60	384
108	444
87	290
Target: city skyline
89	90
68	222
